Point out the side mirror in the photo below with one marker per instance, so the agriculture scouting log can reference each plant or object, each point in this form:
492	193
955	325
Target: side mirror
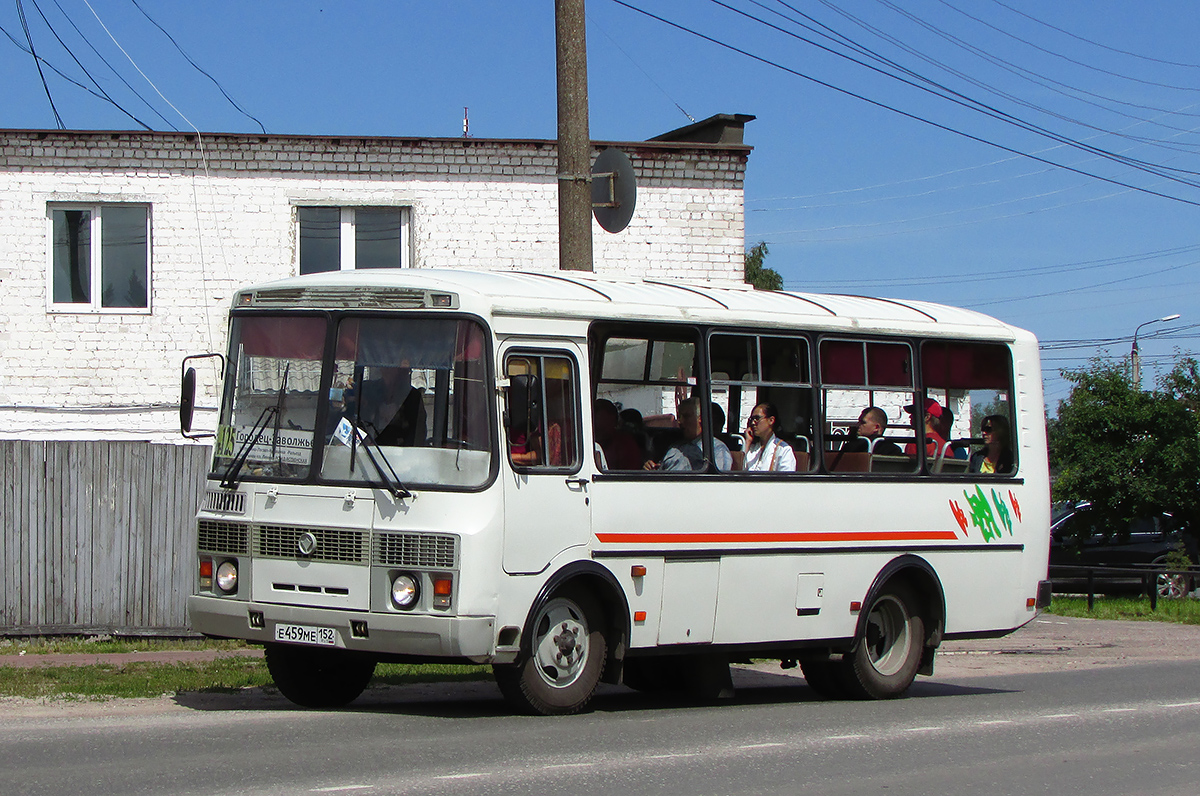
187	400
187	394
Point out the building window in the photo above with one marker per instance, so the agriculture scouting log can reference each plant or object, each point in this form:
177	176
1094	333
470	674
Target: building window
346	238
114	275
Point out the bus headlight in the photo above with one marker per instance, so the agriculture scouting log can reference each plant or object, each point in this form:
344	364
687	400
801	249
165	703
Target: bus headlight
227	577
405	591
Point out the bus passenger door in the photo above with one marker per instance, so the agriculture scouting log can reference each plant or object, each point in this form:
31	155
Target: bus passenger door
546	478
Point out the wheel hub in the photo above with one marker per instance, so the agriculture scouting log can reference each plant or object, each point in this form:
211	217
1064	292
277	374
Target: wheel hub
567	642
561	647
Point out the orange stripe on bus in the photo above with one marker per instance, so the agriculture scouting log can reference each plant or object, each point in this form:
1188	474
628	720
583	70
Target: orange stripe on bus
816	536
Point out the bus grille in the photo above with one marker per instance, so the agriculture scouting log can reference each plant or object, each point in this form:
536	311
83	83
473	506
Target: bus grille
217	536
226	502
427	550
281	541
437	551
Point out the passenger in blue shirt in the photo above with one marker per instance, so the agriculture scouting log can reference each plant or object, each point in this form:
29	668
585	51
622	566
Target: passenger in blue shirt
689	454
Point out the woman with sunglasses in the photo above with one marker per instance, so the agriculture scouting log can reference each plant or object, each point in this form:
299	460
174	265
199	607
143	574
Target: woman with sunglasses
765	451
996	457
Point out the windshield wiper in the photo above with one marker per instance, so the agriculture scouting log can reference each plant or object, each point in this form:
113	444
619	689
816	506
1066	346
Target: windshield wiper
393	485
279	407
229	480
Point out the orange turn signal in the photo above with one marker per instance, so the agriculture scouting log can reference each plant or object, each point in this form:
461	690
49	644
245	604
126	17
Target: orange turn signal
855	607
206	567
637	571
442	586
1031	602
639	616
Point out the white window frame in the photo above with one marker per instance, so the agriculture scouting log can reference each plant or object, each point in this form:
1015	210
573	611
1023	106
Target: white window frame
93	306
347	250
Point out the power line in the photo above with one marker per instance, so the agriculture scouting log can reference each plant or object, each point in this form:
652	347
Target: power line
913	231
1058	87
99	88
950	94
1034	77
1175	333
37	62
1081	289
23	48
1095	43
1134	163
111	68
592	22
1008	274
1064	57
198	69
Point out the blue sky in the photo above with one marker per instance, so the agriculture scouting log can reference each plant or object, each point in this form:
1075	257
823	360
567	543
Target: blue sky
850	196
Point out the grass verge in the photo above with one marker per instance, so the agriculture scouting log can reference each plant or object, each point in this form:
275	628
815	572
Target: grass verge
223	675
44	645
1184	612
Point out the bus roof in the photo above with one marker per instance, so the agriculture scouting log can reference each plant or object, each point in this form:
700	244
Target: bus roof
581	295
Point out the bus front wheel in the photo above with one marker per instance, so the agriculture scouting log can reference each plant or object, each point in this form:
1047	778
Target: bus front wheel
313	677
886	658
562	657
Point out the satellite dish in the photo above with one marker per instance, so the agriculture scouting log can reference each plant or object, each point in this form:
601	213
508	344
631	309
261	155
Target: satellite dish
614	190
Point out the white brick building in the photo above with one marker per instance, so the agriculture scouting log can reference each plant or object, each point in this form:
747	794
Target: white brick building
119	251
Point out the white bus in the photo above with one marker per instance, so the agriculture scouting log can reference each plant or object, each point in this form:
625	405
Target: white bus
421	465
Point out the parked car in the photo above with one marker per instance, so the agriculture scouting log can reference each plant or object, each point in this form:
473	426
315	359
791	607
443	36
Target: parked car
1078	538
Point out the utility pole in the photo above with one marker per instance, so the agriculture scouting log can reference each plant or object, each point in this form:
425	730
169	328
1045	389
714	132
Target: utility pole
574	139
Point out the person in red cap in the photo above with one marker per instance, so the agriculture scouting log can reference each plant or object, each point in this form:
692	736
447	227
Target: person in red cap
933	437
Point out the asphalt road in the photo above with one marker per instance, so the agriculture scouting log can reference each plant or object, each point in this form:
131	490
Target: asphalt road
1027	714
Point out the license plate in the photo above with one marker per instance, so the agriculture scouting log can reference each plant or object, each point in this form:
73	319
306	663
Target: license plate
306	634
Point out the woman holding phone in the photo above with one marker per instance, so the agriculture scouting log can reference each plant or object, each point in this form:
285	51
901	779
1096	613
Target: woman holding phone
766	452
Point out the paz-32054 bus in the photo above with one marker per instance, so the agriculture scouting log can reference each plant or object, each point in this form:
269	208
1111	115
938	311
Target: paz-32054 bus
421	465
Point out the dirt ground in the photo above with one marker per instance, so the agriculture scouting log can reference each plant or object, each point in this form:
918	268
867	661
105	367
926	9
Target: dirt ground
1056	643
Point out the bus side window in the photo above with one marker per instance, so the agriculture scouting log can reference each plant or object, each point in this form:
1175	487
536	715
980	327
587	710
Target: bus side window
867	395
973	382
541	414
749	370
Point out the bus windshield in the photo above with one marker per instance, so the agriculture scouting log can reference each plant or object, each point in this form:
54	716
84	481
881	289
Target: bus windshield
408	401
270	407
406	404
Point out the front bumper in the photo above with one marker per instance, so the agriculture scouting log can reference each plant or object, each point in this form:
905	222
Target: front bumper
467	637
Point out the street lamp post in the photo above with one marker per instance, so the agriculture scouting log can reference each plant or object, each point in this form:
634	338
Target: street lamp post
1134	357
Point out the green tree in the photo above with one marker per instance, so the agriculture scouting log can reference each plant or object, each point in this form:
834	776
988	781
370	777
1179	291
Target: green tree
759	275
1183	383
1130	453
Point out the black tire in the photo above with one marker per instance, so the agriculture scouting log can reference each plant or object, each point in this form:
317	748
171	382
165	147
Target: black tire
885	659
562	657
824	677
313	677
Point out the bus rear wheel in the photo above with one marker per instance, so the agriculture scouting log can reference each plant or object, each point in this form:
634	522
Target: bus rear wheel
318	678
562	657
885	660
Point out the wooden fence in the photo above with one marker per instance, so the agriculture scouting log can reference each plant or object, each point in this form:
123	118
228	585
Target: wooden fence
97	536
